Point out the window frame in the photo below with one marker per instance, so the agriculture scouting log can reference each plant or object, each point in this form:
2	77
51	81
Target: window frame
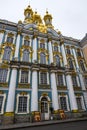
28	102
3	104
4	75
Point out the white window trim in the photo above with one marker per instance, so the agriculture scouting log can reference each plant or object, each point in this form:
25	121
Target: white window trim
47	77
2	110
28	76
8	75
28	101
66	102
82	102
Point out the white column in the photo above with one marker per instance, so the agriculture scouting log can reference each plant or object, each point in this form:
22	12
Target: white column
74	53
50	52
34	96
11	93
83	88
35	49
17	46
54	91
72	97
82	82
1	36
64	55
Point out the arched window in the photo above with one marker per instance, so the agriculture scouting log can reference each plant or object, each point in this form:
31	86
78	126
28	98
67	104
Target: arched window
26	55
7	53
42	58
57	59
70	64
44	105
82	65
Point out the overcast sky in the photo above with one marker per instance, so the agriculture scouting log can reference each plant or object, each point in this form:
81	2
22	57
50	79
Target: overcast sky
69	16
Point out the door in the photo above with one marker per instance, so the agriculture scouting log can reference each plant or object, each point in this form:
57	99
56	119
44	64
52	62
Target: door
45	108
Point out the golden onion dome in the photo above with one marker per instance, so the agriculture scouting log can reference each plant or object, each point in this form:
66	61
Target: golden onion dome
47	16
28	10
37	18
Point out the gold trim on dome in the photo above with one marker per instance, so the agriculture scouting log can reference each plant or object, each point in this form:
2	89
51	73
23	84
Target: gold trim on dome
37	18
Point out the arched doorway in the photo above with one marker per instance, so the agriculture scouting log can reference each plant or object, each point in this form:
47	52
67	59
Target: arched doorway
45	108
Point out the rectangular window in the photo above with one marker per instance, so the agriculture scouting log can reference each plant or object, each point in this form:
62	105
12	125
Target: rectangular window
78	53
42	45
26	42
10	39
3	75
74	81
22	104
1	103
24	76
63	103
60	80
68	51
85	80
43	78
78	99
55	48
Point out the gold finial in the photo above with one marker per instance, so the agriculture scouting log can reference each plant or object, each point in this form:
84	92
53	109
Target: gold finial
46	10
35	11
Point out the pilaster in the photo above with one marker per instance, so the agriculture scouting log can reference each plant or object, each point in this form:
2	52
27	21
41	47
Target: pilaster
34	96
54	91
50	51
72	98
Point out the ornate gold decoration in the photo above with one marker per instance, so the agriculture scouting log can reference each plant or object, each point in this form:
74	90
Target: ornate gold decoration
10	34
37	18
49	18
28	11
4	85
44	94
26	38
19	22
9	114
40	50
2	31
42	28
75	111
1	92
62	93
23	93
77	88
61	87
23	85
44	86
26	47
42	41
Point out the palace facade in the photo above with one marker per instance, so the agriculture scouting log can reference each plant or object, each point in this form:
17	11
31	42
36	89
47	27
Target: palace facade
40	69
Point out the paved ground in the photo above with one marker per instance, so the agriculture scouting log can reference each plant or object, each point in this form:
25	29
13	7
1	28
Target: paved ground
70	124
82	125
